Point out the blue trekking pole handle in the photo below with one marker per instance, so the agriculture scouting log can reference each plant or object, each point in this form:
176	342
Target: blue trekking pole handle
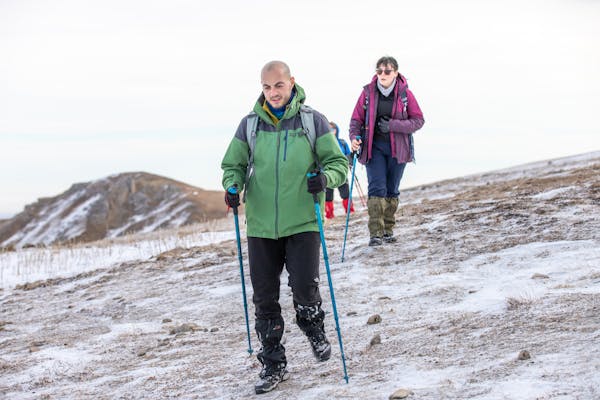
354	157
326	259
233	190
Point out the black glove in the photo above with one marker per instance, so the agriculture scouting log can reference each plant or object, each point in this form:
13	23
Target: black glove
317	183
384	125
232	199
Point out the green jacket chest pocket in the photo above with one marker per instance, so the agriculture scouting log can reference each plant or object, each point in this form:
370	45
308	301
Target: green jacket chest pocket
296	148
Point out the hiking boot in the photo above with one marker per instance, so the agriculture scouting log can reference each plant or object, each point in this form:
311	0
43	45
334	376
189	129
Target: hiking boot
375	241
269	377
329	209
310	320
389	238
345	203
320	345
389	213
375	207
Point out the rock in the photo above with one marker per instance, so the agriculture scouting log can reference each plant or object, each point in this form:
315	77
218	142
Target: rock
524	355
400	394
31	285
539	276
191	327
214	330
2	324
376	340
374	319
167	320
351	313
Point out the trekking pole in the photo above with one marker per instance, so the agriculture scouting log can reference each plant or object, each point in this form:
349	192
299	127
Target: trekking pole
233	190
354	157
326	259
361	194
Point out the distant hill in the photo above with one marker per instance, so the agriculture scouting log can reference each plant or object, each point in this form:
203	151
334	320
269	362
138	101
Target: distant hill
111	207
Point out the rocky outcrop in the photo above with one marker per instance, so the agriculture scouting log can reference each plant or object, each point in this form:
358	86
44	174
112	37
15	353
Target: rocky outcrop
111	207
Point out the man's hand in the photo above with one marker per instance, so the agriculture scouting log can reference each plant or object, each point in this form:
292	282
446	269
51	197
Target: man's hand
316	183
232	198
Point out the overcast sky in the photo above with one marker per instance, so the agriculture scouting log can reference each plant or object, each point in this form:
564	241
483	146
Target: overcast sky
93	88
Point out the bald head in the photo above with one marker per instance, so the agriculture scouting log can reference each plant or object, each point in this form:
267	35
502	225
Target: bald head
276	65
277	83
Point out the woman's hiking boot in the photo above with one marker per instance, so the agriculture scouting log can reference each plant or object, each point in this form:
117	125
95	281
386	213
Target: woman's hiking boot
375	241
376	207
389	238
389	218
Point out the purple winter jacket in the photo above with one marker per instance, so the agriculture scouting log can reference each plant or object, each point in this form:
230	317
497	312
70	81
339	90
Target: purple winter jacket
402	125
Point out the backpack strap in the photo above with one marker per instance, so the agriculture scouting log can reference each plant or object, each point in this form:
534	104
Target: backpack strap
404	98
308	128
365	132
251	126
366	107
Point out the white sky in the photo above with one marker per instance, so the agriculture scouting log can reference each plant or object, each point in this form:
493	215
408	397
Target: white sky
93	88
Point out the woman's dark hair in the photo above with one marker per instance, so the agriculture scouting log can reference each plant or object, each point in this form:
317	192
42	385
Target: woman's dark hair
387	60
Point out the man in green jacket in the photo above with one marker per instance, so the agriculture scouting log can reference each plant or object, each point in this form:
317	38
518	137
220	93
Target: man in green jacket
281	224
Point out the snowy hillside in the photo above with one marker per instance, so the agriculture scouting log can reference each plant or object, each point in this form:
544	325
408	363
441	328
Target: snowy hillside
492	292
109	208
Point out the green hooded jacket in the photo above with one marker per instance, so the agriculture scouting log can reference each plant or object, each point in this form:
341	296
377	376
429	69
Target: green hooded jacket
277	201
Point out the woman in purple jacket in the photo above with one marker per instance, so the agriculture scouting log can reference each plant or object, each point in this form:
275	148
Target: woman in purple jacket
385	117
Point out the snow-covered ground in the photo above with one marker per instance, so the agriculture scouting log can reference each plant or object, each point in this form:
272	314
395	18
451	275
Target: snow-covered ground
492	292
40	263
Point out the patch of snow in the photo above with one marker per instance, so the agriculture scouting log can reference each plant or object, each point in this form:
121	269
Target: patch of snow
493	278
550	194
50	226
33	264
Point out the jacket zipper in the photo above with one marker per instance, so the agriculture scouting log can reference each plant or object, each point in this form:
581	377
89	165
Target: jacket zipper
285	146
277	188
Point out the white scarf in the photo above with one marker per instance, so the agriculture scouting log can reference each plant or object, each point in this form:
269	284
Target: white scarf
384	91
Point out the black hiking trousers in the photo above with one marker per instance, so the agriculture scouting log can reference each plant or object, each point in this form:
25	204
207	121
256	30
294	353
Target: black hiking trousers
300	254
344	192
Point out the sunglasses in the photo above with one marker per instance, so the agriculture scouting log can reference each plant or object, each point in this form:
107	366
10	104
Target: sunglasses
381	71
